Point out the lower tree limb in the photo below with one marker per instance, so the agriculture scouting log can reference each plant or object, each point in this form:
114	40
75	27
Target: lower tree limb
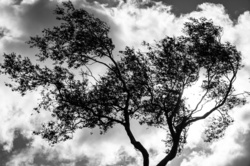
138	146
171	155
165	160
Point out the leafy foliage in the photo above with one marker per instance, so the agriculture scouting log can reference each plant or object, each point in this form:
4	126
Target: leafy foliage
146	86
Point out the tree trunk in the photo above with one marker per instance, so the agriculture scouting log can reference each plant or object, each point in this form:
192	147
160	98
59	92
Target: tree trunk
172	152
138	146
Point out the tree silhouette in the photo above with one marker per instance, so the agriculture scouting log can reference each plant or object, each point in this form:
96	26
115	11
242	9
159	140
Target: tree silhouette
145	86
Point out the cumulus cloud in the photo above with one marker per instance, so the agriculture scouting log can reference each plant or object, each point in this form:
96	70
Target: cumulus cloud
14	116
233	148
131	22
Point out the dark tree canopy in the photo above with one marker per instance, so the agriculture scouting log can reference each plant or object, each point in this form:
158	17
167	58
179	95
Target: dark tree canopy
145	86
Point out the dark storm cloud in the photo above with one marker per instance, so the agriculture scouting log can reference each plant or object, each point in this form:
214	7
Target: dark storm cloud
20	143
32	19
84	161
109	3
4	155
38	16
3	31
115	3
146	5
234	8
244	141
43	159
17	2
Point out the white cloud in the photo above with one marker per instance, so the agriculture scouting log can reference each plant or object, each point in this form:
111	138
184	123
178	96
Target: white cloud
226	150
139	24
15	114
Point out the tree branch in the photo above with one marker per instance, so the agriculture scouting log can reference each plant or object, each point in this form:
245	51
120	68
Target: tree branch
217	105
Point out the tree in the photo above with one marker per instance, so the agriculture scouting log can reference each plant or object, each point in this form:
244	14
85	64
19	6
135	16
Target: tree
145	86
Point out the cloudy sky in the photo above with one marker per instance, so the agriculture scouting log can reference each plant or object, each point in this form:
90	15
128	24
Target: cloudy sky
131	22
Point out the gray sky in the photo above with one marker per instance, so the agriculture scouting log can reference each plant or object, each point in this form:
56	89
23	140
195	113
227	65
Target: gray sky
233	8
131	22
